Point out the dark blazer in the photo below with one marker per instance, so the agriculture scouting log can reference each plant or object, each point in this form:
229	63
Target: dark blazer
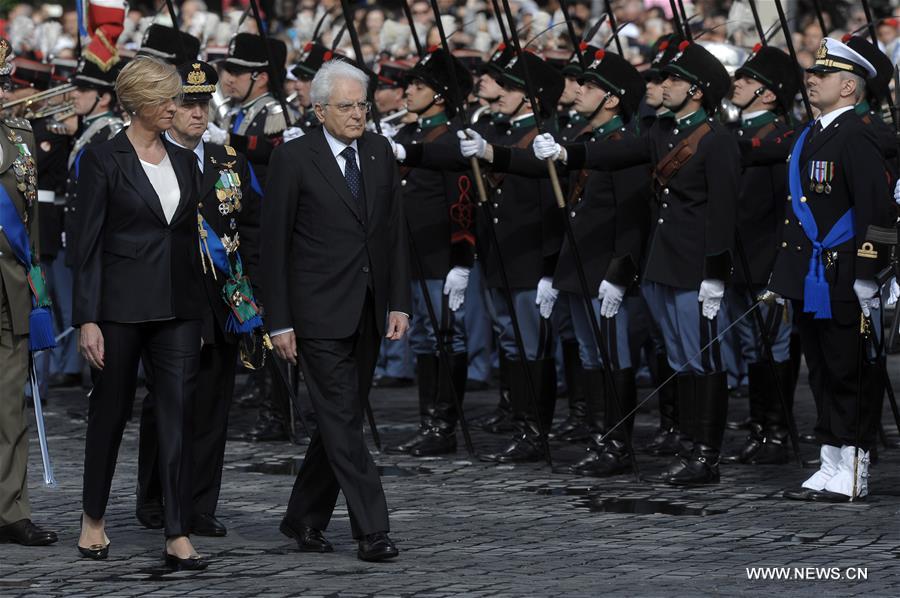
321	249
133	266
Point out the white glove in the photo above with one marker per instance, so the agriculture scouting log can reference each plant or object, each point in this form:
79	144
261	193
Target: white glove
611	296
710	295
867	294
455	287
292	133
894	293
897	192
215	134
389	130
546	297
471	144
544	147
398	149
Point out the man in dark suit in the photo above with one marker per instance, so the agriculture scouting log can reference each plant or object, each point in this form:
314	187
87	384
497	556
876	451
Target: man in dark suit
332	225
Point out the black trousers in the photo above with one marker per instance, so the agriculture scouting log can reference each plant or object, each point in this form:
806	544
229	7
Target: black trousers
832	351
338	372
215	389
172	351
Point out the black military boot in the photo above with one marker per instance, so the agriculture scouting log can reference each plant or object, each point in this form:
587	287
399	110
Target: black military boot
761	387
427	367
575	427
686	418
710	412
441	438
273	415
667	439
528	446
257	385
774	449
595	399
500	420
612	457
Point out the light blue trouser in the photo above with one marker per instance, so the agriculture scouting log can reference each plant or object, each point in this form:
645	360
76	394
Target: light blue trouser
537	333
776	318
422	337
613	331
684	330
479	335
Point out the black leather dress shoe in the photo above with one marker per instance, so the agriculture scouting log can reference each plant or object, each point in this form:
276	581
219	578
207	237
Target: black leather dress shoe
603	463
376	547
192	563
748	451
827	496
308	539
26	533
436	442
773	451
666	442
520	450
696	471
206	524
65	380
391	382
267	430
410	443
801	493
150	515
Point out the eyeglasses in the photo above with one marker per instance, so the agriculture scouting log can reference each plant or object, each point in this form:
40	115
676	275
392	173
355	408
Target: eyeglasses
348	107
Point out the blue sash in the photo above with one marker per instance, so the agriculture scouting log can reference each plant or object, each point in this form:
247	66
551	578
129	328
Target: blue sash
40	321
236	292
816	293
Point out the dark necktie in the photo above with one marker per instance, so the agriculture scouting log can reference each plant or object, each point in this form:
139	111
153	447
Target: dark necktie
351	171
816	129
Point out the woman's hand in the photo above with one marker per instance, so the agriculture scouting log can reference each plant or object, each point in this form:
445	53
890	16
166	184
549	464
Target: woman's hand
90	344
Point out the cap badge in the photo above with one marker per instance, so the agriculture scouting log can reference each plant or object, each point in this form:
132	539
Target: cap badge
822	52
196	76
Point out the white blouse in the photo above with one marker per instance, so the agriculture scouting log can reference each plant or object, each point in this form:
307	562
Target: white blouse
165	183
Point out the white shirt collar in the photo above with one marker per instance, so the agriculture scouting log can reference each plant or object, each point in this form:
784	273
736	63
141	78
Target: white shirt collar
752	115
337	146
198	151
827	119
516	119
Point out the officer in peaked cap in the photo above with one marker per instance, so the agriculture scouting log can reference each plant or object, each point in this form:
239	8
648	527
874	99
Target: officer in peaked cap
162	42
764	90
390	85
836	238
695	169
229	208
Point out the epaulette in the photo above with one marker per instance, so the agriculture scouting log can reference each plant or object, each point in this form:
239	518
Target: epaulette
275	118
17	123
230	150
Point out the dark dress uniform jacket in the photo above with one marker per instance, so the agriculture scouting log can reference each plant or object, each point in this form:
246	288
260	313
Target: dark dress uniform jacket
439	206
132	265
322	249
761	205
859	182
610	221
13	281
694	234
228	218
51	152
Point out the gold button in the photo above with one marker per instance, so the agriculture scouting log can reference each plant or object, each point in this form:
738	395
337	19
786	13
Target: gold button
803	199
784	244
786	221
798	248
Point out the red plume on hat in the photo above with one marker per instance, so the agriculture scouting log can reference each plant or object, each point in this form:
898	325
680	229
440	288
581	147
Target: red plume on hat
106	20
683	45
583	46
599	54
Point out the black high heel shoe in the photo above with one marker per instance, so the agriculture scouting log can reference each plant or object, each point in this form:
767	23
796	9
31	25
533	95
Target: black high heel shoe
192	563
96	552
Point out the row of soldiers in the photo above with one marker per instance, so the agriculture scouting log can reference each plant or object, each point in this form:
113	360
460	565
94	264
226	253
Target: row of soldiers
669	216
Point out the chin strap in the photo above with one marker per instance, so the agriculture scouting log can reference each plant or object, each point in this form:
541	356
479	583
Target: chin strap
599	107
687	97
759	91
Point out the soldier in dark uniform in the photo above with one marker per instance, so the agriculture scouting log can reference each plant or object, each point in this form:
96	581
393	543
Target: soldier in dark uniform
764	91
840	223
439	210
529	233
161	41
609	216
696	164
314	55
19	285
229	213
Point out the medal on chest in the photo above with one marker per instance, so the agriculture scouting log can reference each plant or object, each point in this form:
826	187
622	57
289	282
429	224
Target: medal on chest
821	173
228	190
25	171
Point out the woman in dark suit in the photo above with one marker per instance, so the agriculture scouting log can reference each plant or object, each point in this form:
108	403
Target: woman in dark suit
137	294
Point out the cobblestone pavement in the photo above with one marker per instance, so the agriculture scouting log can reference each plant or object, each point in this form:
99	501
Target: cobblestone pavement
469	528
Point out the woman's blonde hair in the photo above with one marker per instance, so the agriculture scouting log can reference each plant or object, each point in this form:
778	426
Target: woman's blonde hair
146	82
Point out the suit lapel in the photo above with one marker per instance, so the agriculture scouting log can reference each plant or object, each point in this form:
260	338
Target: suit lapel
130	165
327	164
210	172
10	153
367	169
817	142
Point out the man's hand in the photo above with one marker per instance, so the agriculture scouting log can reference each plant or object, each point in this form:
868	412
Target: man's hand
398	149
546	297
90	344
710	295
398	324
897	192
471	144
610	296
215	134
894	294
867	294
545	147
292	133
285	345
455	287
